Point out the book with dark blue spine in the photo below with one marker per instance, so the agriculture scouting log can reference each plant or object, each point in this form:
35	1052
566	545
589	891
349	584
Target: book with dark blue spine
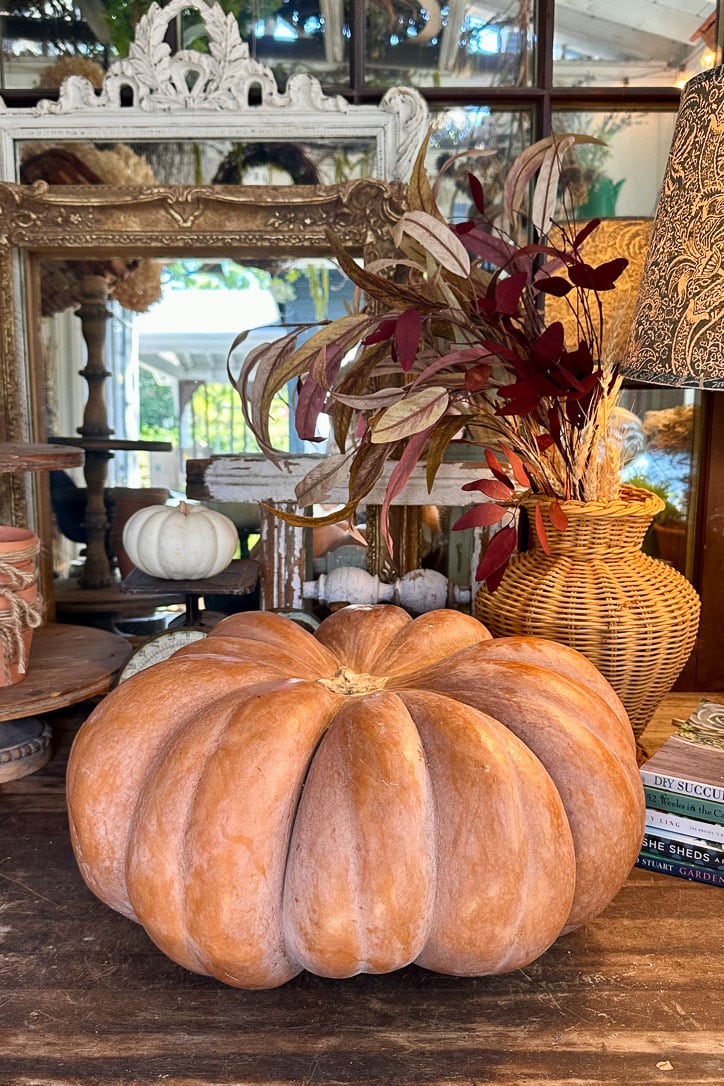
682	871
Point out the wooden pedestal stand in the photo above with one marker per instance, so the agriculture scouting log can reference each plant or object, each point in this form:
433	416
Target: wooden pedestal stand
96	435
67	663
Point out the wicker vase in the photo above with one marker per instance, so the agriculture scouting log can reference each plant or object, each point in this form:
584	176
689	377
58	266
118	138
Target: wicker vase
633	616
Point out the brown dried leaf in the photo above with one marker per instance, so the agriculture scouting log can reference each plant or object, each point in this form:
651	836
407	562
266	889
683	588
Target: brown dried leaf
318	483
409	416
437	239
419	193
299	520
545	194
439	441
526	164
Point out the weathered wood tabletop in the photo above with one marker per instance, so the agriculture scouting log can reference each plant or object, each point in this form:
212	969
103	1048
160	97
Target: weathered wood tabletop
635	997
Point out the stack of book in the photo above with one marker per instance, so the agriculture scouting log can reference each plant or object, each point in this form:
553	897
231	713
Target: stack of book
684	785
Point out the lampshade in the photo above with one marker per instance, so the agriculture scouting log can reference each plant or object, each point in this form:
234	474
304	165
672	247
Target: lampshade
612	238
677	335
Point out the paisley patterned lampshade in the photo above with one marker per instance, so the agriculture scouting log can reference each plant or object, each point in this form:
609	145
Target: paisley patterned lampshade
677	335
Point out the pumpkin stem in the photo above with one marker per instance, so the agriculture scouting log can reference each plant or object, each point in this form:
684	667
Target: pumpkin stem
348	682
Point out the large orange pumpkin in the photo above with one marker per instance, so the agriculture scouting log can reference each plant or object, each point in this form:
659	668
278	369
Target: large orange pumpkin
385	791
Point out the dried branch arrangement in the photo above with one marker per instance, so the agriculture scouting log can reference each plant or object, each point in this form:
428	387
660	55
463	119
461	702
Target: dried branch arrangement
449	343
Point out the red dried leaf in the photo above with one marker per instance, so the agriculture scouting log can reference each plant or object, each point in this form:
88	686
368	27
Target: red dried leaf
408	333
506	354
492	582
497	469
540	530
480	516
601	278
519	407
309	405
559	520
581	275
477	193
385	330
518	468
498	551
554	284
398	479
585	231
508	292
479	378
492	488
488	247
605	275
519	390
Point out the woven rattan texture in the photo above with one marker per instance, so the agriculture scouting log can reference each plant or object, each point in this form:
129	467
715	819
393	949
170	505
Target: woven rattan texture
633	616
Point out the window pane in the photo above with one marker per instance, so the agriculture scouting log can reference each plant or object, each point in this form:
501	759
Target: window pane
632	42
464	43
663	460
36	36
308	37
623	175
473	128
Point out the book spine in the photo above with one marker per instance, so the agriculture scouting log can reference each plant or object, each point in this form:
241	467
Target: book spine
703	810
681	871
691	852
690	789
686	827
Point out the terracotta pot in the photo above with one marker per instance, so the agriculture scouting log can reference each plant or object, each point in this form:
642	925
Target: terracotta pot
633	616
20	611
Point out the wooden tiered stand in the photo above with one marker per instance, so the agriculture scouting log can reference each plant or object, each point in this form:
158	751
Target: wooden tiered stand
67	664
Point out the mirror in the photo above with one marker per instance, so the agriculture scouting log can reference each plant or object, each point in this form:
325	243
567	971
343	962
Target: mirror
97	224
194	118
195	102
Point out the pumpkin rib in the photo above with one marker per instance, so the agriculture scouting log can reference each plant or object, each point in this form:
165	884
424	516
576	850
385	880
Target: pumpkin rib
598	715
591	778
427	639
251	784
568	662
360	878
157	829
356	635
506	879
268	631
113	749
245	650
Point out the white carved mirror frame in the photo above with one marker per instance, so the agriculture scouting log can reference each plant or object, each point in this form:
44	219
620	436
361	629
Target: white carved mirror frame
184	96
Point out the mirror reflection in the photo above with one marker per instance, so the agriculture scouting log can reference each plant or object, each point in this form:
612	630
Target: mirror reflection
168	329
196	162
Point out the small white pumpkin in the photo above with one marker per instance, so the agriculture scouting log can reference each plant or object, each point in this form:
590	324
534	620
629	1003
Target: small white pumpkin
179	543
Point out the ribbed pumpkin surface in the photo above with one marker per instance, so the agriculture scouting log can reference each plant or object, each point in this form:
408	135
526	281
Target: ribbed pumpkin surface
385	791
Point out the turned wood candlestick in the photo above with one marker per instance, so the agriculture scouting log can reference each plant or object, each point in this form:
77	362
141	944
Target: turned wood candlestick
96	436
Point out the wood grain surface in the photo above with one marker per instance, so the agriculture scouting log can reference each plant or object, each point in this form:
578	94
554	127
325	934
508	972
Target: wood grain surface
68	664
637	996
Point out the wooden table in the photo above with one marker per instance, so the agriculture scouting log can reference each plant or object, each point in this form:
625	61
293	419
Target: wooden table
636	997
